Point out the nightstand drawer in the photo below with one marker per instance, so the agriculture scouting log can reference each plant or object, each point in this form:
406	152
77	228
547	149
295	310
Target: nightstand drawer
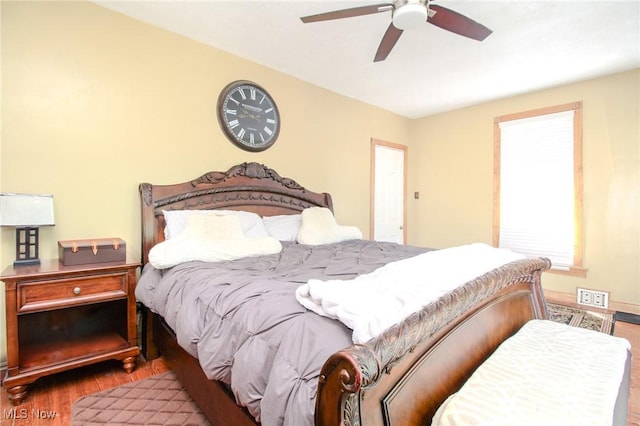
40	296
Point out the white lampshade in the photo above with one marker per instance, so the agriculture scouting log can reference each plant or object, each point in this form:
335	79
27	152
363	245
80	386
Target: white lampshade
26	210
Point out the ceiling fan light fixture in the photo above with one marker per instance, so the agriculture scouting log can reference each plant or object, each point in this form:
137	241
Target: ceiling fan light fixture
409	16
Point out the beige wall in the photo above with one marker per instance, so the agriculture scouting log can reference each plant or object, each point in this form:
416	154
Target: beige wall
93	103
454	152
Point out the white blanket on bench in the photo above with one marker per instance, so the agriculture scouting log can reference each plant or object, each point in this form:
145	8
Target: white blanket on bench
371	303
546	374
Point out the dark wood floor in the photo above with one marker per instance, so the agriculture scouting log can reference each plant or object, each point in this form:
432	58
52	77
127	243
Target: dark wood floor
56	394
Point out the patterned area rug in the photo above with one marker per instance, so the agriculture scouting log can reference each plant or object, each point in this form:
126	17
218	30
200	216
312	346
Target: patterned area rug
582	318
157	400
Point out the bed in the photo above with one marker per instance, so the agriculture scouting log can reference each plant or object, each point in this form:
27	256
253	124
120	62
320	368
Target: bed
399	377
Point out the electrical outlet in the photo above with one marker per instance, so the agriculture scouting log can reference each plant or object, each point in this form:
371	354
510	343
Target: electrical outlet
598	299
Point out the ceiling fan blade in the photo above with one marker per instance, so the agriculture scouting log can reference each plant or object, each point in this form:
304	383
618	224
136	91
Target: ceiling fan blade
452	21
348	13
389	40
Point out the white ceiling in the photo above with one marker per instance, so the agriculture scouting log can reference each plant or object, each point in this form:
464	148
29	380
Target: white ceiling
534	45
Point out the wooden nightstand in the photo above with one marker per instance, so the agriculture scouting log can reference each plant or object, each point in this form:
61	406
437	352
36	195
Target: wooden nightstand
63	317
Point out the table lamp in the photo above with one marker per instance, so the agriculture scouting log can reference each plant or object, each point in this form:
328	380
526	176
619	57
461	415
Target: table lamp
26	212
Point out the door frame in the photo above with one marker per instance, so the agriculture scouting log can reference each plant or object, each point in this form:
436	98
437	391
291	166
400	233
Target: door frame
405	150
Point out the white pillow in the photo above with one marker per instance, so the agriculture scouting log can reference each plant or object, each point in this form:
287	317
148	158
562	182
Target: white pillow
284	227
210	238
319	226
252	226
211	227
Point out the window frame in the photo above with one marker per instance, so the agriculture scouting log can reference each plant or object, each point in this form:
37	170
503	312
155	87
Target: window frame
577	269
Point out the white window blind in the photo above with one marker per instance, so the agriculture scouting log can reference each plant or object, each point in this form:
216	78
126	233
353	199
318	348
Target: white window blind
537	198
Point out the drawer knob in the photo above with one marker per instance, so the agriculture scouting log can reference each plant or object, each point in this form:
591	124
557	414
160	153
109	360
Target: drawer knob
76	290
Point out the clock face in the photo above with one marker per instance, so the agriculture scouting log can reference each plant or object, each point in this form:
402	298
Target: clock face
248	116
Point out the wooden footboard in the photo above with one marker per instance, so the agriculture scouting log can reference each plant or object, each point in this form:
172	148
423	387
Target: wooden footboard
402	377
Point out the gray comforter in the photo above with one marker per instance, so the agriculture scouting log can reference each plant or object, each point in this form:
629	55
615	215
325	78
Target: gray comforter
242	321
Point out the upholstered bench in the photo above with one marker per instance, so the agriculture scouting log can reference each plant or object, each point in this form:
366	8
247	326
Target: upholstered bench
546	374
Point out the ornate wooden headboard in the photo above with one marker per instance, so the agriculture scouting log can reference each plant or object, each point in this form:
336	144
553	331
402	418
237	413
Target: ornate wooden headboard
248	186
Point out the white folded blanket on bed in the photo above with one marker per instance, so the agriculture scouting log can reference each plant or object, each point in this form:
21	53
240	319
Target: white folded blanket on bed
373	302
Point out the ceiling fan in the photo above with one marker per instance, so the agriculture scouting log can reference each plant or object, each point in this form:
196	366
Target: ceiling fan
406	14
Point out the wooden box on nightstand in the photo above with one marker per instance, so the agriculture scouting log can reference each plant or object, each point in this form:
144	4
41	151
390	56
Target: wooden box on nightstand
63	317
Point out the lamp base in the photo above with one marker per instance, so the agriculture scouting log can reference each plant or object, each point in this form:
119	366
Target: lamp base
26	262
26	246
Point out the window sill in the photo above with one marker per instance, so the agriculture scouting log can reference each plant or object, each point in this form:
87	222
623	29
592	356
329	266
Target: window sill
573	271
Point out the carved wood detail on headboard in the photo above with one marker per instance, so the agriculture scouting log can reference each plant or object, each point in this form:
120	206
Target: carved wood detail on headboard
251	170
248	186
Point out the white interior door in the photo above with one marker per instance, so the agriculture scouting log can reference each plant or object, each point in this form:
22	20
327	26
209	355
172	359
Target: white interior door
389	179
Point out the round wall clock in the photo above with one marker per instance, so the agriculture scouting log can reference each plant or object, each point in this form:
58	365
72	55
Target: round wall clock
248	115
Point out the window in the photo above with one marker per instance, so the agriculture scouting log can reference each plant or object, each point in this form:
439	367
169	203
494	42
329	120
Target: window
538	185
